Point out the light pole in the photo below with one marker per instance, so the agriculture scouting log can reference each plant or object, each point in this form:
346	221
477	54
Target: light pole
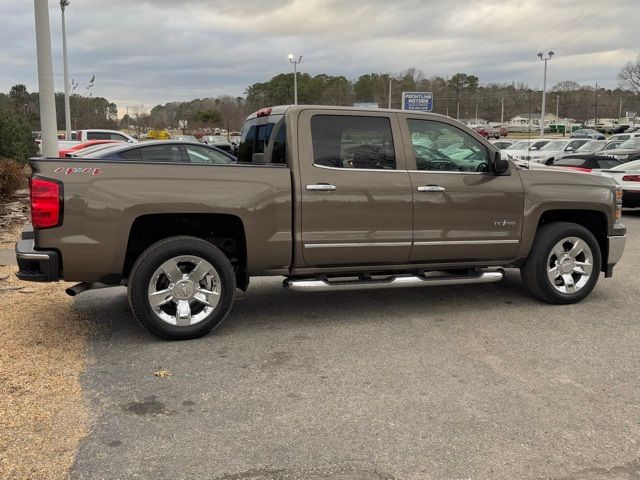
45	80
544	87
502	112
390	80
67	107
295	76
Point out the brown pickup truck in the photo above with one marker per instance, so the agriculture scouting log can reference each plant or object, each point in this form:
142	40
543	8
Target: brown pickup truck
328	197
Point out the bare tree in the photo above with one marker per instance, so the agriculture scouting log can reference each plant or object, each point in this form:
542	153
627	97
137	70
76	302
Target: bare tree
231	112
629	76
140	119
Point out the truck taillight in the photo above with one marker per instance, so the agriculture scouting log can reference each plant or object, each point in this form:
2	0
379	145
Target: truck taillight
46	203
264	112
631	178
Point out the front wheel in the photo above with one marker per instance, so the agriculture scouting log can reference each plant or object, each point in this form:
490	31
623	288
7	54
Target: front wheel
181	287
563	265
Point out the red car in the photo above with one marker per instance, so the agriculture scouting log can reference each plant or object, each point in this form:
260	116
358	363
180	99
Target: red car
79	146
488	132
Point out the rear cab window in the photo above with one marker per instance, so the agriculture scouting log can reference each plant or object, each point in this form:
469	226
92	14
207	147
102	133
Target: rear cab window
263	141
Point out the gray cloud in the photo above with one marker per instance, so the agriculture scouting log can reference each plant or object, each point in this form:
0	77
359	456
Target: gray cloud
154	52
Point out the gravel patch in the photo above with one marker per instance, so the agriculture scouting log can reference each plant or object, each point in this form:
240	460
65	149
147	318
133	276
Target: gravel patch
42	354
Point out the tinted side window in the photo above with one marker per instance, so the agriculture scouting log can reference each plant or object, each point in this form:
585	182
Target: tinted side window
133	154
445	148
348	141
607	163
254	140
97	136
279	154
198	154
117	137
161	153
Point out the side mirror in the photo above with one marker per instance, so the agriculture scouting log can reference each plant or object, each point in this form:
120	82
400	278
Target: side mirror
533	148
500	165
568	149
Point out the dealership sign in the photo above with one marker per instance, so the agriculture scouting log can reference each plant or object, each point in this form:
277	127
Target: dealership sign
417	101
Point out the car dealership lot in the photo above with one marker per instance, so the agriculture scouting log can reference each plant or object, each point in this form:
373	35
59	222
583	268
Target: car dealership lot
448	382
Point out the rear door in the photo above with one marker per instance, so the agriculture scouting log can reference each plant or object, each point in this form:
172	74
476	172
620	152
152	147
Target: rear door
462	211
356	200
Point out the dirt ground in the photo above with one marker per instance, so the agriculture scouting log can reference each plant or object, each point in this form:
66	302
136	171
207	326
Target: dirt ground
42	354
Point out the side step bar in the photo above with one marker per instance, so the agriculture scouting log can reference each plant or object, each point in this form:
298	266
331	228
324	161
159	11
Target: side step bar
323	285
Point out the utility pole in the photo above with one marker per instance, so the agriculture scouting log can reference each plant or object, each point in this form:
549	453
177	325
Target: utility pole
390	79
48	122
502	112
458	111
67	107
557	105
620	111
544	87
476	119
595	120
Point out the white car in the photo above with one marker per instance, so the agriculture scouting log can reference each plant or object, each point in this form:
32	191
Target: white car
502	144
624	136
522	150
551	150
628	176
590	146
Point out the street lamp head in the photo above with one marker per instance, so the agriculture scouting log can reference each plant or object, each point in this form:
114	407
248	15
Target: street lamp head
540	54
551	53
64	3
290	56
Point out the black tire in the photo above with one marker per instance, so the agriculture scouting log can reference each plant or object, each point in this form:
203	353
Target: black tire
151	259
534	271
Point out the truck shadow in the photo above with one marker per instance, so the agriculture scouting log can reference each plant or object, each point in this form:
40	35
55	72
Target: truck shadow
268	305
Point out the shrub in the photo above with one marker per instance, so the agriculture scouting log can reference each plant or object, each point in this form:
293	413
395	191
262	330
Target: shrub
11	177
16	139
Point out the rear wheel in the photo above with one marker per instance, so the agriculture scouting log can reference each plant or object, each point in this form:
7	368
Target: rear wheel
181	288
563	265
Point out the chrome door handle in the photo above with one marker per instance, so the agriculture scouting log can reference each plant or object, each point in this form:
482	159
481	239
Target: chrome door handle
431	188
322	187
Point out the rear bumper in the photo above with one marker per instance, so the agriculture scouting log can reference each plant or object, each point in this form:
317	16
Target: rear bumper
36	265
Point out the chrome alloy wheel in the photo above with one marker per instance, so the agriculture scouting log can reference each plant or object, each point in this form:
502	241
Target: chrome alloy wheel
570	265
184	290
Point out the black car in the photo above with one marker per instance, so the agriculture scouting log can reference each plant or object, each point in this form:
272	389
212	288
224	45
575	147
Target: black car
164	151
587	162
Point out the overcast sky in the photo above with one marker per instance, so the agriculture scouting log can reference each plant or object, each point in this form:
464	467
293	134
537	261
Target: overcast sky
153	52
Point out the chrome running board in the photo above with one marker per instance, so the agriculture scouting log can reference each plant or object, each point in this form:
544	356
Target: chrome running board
394	281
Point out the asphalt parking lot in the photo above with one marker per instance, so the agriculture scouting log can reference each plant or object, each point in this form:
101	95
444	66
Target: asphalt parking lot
466	382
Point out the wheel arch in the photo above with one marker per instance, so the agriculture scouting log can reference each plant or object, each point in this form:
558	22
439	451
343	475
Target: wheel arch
225	231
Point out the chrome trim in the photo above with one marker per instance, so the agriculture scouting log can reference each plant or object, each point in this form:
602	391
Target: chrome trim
465	242
616	248
374	244
32	256
379	170
321	187
392	282
431	188
450	173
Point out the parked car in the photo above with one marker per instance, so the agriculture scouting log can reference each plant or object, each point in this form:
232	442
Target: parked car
588	133
339	205
98	134
91	149
219	141
587	164
548	153
522	150
628	176
488	132
502	144
67	152
587	148
612	144
184	138
627	151
164	151
624	136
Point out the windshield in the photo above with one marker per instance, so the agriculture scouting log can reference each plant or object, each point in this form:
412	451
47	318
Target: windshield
629	167
589	147
519	146
555	145
632	144
216	138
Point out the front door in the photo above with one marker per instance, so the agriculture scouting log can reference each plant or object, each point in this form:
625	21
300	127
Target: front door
356	206
462	211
